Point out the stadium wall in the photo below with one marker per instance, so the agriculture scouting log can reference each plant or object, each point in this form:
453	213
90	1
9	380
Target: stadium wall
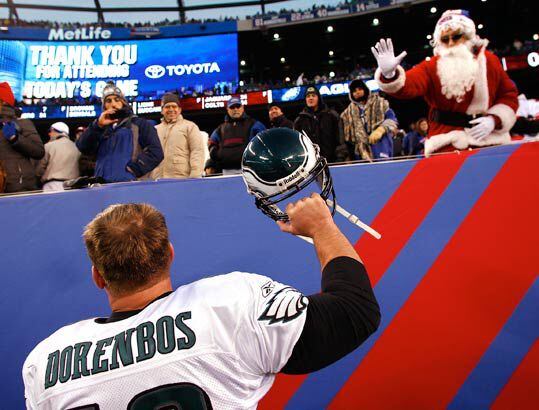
456	274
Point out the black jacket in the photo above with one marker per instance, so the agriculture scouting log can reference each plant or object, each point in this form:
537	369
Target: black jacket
17	156
281	122
322	127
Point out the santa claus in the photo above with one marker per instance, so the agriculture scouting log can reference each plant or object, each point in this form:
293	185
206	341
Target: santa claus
472	102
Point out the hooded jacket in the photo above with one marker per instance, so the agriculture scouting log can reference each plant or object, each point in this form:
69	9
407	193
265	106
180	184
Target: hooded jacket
281	122
322	127
16	156
363	117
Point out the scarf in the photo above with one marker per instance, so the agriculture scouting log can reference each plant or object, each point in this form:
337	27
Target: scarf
357	125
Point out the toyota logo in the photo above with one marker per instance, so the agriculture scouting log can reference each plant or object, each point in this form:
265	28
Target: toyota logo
155	71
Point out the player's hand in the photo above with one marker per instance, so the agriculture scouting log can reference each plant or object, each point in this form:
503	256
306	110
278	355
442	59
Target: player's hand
385	57
104	119
308	216
483	127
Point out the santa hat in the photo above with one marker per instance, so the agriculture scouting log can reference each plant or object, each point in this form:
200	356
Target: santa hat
454	20
6	95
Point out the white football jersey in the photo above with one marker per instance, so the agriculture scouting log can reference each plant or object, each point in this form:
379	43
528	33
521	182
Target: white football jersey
219	340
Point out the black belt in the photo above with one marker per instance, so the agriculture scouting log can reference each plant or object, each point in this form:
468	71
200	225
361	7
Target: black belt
54	180
453	119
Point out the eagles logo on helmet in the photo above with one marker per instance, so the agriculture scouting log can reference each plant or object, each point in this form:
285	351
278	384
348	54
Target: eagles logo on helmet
279	163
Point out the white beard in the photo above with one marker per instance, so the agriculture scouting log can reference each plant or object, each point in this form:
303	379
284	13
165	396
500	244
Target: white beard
457	69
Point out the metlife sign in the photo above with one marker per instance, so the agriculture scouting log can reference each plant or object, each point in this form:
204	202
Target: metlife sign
80	69
90	33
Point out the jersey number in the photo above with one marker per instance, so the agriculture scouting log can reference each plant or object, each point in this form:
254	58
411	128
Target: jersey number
178	396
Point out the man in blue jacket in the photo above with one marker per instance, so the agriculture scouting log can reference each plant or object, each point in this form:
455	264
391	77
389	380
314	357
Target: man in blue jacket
127	147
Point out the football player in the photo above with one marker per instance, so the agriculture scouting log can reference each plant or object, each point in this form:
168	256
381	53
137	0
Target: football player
214	343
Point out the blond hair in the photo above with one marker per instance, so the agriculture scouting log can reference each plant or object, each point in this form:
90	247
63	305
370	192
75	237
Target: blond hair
128	244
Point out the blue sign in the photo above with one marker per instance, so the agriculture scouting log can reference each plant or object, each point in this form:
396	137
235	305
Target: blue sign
147	68
326	90
115	33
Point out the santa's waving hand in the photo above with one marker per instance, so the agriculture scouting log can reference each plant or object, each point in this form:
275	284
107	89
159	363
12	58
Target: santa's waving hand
472	101
385	56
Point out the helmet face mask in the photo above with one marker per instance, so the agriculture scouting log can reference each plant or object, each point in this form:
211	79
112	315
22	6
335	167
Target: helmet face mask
280	162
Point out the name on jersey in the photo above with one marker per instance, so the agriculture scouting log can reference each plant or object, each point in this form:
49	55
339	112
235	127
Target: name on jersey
131	346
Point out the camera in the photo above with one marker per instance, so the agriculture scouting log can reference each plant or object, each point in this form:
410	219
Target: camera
120	114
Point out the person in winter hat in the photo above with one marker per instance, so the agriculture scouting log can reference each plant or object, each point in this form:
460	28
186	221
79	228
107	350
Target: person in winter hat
472	101
320	123
368	124
277	117
19	145
228	141
181	140
126	147
61	160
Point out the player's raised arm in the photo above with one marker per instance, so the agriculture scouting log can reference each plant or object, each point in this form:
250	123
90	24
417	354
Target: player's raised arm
346	312
311	217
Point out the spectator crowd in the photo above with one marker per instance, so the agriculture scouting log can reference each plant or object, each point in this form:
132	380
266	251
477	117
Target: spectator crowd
119	147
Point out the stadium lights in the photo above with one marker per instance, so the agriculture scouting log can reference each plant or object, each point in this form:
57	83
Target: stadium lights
287	79
241	83
242	62
375	22
283	60
480	26
433	10
330	29
276	36
331	53
536	36
332	74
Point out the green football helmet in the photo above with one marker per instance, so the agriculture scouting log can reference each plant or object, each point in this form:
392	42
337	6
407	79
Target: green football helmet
280	162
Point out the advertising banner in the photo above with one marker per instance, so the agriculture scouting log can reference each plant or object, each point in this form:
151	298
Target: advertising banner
147	68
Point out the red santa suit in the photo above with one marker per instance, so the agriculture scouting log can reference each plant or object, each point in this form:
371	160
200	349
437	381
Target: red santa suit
493	93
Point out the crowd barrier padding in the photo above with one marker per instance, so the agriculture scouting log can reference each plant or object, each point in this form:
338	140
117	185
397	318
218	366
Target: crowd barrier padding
456	274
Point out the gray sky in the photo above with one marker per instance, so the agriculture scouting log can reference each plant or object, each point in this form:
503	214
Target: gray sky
68	16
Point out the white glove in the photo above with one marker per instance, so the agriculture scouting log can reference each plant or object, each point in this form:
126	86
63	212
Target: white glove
483	127
385	56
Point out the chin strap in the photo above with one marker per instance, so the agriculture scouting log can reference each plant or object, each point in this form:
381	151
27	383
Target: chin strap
354	219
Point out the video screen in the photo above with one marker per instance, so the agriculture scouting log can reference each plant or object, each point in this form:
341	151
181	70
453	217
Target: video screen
143	69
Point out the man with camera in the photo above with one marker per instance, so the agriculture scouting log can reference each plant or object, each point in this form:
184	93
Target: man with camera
127	147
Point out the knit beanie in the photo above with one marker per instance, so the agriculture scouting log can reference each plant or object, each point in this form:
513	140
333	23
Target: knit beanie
170	98
313	90
112	89
6	95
